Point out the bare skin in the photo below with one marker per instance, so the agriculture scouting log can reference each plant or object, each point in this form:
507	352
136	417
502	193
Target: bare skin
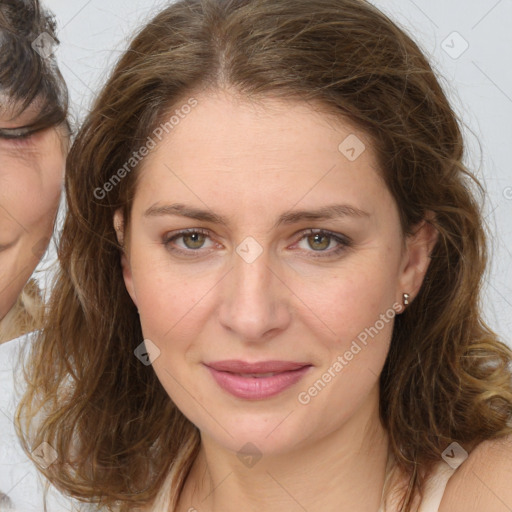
297	301
31	174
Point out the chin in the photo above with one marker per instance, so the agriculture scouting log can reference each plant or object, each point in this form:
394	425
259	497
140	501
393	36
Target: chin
268	435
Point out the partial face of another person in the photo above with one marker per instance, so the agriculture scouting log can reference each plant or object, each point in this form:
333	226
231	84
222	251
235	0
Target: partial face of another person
222	266
31	174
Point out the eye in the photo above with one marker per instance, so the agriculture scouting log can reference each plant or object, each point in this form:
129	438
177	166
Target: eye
320	240
16	135
193	240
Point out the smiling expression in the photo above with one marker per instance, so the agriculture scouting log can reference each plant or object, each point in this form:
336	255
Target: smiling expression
31	173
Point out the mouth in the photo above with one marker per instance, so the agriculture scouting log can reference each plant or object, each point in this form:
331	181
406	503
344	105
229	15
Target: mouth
257	368
257	375
258	383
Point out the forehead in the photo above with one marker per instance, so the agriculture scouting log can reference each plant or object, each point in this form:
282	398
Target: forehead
222	117
227	150
226	129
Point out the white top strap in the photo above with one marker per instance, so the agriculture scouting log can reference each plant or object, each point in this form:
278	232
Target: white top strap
435	487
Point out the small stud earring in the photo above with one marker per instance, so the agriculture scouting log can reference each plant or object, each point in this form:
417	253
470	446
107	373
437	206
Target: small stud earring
406	299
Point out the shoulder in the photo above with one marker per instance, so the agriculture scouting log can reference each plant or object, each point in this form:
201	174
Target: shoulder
11	355
9	350
9	347
483	481
21	484
15	470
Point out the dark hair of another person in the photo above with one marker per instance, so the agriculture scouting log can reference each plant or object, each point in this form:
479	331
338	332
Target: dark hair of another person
26	75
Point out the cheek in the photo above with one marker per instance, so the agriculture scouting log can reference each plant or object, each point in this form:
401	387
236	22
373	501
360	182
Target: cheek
362	317
352	297
168	299
357	306
31	192
173	316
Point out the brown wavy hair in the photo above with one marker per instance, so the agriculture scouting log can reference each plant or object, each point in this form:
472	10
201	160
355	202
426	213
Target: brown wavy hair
446	378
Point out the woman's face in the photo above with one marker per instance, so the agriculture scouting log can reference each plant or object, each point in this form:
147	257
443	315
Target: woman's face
31	172
259	286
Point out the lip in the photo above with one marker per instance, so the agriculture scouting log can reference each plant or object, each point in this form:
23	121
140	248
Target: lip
238	366
227	375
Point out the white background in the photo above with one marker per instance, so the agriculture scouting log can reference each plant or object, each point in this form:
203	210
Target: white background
479	83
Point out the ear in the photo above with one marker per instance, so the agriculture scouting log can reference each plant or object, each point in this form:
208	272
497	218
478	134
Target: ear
119	227
416	258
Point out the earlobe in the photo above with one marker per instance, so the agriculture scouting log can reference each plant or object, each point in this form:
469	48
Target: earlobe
118	221
419	247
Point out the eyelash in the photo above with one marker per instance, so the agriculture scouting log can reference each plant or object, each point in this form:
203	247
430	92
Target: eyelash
22	137
344	242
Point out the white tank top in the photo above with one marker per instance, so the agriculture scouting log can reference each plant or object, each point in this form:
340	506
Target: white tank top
435	487
433	492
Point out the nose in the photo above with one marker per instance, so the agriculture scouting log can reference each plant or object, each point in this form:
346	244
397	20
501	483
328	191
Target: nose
255	301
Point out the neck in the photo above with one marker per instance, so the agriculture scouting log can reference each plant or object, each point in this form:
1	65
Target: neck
343	471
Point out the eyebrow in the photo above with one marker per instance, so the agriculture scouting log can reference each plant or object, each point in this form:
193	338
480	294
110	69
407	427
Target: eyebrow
329	212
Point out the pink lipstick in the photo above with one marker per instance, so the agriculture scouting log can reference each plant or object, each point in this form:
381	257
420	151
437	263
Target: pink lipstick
256	381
